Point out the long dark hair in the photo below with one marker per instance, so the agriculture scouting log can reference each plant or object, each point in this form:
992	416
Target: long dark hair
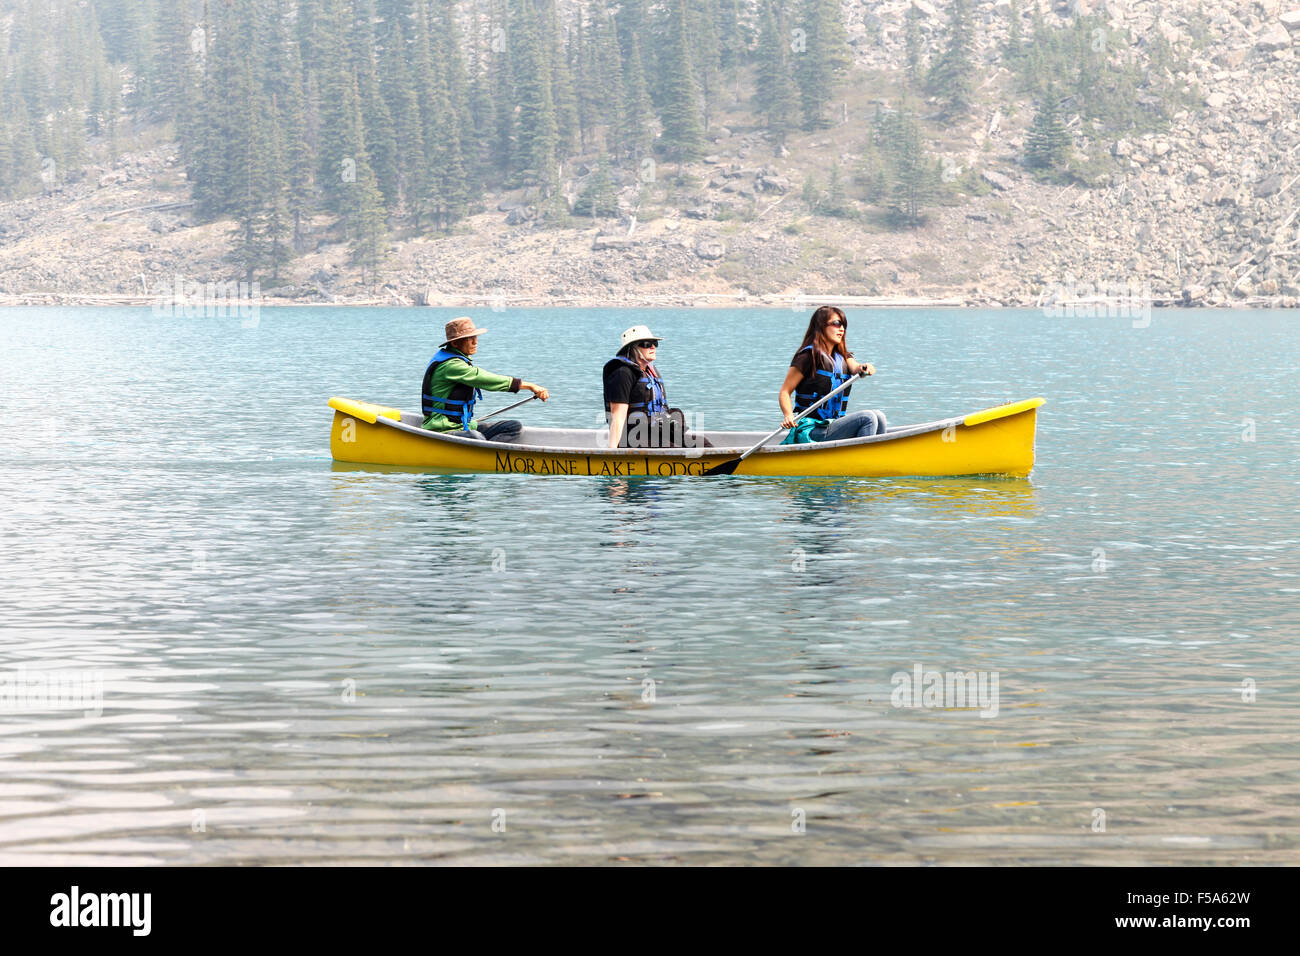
816	335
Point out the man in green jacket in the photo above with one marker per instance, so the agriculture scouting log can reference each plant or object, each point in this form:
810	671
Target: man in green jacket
453	384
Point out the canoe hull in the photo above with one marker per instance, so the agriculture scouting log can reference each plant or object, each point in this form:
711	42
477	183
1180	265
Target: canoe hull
997	441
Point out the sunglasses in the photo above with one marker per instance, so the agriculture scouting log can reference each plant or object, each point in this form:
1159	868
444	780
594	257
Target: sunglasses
647	344
836	324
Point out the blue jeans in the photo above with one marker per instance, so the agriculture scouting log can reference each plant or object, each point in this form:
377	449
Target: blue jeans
506	431
861	424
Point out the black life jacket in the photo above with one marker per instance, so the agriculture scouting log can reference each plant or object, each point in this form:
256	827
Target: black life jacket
821	382
459	405
648	396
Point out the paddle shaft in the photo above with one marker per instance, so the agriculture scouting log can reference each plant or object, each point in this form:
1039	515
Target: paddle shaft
522	401
813	407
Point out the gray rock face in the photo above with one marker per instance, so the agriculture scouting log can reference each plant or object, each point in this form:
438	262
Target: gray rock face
996	180
614	242
1274	37
1268	186
710	248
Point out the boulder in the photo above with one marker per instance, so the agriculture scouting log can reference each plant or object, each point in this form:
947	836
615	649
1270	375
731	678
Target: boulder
1274	37
1291	20
1231	59
710	248
1268	186
996	180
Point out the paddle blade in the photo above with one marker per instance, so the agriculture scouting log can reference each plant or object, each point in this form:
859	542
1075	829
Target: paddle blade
726	468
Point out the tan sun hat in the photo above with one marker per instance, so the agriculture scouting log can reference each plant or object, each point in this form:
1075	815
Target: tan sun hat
637	333
461	327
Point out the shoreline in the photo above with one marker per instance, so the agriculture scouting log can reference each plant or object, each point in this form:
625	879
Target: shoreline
498	303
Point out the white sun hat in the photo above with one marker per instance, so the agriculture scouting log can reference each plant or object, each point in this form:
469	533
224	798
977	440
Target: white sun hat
637	333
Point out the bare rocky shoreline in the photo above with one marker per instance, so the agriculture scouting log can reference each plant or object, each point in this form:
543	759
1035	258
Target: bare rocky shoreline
1204	213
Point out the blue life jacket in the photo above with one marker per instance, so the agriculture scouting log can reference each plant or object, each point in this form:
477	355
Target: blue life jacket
648	396
459	405
822	382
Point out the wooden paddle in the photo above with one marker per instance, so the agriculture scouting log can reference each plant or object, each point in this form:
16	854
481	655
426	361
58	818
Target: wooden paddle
522	401
729	467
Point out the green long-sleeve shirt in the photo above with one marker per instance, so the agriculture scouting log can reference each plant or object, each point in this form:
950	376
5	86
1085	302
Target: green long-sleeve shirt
461	371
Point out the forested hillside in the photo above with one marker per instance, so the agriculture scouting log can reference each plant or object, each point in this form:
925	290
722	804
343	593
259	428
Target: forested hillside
367	124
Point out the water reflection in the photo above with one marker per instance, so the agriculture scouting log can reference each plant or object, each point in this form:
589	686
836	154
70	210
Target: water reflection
826	500
636	504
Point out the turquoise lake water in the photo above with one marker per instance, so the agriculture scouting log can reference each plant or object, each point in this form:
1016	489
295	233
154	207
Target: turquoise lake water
295	663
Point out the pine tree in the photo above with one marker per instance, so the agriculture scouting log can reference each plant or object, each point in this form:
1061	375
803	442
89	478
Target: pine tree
503	103
1047	142
731	42
361	208
251	174
535	133
811	195
482	107
705	50
683	136
837	199
376	119
399	92
1015	39
599	198
464	176
825	57
912	45
582	69
443	190
217	170
177	69
338	155
562	90
775	93
632	24
294	188
952	78
913	180
280	228
635	136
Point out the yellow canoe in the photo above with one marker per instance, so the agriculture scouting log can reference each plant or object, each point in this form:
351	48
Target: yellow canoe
995	441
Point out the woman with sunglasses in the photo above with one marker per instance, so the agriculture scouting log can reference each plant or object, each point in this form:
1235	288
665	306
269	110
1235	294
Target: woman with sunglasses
636	405
822	363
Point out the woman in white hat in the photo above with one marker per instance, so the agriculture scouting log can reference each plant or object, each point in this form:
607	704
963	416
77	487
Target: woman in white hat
636	405
453	384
